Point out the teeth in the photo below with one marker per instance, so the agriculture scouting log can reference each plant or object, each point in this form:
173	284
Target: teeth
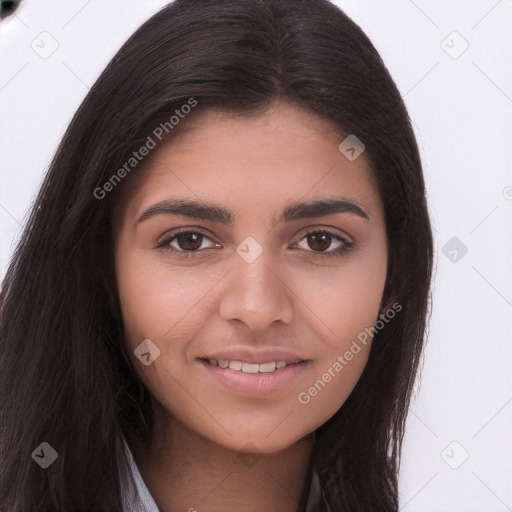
235	365
248	367
268	367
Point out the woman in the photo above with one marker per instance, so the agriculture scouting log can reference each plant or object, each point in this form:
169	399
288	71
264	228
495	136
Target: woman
220	297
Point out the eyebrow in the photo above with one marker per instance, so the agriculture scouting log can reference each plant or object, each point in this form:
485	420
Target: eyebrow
293	211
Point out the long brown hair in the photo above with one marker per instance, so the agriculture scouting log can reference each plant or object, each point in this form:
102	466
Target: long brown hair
65	378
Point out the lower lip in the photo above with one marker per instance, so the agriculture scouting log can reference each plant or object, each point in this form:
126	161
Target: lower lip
256	383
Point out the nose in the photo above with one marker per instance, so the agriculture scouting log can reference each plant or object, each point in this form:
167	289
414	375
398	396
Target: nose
256	294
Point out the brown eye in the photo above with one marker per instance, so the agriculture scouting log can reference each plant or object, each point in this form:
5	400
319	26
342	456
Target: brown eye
186	243
189	241
320	243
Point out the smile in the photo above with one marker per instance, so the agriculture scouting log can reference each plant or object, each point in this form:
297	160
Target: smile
255	378
241	366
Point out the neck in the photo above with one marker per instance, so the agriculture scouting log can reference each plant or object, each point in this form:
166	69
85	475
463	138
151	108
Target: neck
186	472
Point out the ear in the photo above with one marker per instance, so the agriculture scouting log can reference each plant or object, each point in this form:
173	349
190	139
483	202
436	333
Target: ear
386	303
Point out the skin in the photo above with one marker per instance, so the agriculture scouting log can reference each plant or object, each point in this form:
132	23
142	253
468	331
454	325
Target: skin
215	448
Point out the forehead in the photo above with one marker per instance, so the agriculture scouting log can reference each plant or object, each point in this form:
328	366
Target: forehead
284	154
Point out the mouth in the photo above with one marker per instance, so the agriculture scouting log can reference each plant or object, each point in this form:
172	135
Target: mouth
255	378
245	367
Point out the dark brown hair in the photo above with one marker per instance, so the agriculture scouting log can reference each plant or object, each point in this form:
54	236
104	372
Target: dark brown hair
64	375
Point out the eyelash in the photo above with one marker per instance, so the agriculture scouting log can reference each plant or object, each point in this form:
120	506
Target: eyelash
338	253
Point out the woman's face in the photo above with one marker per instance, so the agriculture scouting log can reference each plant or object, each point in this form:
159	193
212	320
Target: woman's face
253	278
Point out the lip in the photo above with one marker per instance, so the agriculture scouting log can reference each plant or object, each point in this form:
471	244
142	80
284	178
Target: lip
256	383
251	356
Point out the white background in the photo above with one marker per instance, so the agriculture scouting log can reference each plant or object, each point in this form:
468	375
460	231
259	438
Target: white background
461	106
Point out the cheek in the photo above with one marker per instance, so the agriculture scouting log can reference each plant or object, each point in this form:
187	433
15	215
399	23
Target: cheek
155	297
342	357
346	305
342	301
331	385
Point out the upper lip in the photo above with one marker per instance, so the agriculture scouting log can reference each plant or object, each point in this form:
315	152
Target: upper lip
247	355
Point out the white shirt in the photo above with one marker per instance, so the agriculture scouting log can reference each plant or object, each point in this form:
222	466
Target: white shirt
136	495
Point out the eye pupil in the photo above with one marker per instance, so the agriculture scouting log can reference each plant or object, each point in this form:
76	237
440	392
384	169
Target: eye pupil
324	240
188	238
